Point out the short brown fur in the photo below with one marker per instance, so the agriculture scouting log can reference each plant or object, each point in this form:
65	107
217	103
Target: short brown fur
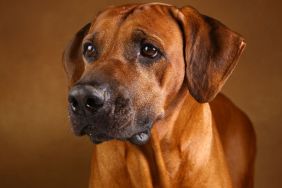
198	139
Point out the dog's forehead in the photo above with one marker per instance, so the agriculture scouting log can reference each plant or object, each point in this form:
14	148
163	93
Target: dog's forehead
129	9
149	15
152	17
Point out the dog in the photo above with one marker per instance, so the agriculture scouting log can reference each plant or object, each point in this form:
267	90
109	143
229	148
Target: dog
144	83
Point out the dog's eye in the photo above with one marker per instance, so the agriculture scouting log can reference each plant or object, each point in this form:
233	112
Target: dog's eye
149	50
89	51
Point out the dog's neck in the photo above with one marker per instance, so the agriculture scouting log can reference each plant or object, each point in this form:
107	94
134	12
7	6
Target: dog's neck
186	137
182	107
186	127
184	117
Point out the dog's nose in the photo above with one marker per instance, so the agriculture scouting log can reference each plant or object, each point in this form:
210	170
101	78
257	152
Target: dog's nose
86	98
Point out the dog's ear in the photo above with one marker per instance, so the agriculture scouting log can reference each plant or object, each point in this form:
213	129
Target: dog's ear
72	56
211	53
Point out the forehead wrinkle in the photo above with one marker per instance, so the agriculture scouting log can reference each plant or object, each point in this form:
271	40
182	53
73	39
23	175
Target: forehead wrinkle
110	20
115	14
158	8
158	26
119	15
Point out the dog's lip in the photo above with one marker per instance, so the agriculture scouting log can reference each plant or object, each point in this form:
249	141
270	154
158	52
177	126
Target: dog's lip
96	138
85	131
140	138
80	131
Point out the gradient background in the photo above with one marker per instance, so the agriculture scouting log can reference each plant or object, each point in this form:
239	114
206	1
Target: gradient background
37	147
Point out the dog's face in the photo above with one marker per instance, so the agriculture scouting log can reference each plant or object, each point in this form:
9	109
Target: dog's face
127	66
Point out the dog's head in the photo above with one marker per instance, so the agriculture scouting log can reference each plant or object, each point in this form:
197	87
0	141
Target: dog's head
127	66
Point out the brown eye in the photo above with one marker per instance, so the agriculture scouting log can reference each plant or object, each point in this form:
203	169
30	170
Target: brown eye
149	50
89	51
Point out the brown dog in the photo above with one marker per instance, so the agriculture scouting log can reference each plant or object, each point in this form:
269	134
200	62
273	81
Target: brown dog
149	74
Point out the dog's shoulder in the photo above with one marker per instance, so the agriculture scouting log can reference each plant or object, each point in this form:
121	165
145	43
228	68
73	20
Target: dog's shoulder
224	111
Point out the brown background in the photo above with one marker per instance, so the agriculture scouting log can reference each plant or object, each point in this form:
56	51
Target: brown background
37	148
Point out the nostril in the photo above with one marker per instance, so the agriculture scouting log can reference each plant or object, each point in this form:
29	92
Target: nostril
73	104
93	103
86	97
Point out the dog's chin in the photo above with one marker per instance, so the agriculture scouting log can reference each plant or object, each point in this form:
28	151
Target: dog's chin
139	138
137	132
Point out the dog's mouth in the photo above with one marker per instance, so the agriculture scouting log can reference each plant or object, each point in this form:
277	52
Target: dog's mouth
139	138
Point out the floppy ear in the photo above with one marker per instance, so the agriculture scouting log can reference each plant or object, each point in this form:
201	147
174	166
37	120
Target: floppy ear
72	56
211	53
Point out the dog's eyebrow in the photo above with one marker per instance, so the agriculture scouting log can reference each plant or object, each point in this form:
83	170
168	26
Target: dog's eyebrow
151	36
91	36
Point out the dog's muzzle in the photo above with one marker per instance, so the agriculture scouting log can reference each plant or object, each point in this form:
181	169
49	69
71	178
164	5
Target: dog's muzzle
102	115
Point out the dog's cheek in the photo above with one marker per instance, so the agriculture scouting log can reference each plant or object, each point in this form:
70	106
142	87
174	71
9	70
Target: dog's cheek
151	103
123	112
